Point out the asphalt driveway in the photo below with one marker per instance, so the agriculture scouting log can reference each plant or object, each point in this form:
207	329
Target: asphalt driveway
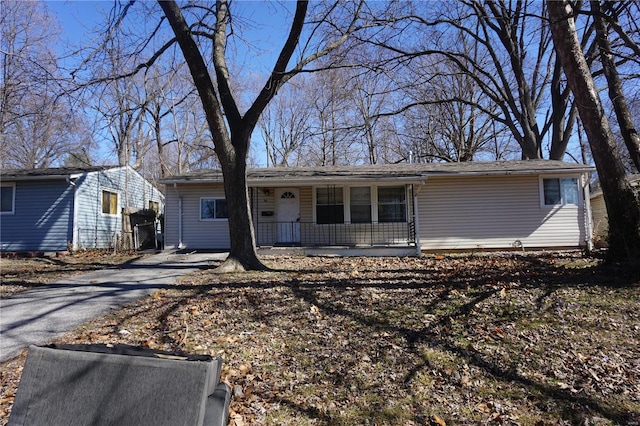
40	315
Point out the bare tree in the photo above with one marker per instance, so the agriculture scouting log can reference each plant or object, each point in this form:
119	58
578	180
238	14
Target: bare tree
616	92
622	207
505	48
332	139
121	105
38	126
286	124
231	129
455	128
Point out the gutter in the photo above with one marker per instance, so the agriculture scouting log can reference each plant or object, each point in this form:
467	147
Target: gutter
416	179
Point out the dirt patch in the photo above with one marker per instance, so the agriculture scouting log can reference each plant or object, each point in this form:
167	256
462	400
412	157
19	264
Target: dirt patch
544	339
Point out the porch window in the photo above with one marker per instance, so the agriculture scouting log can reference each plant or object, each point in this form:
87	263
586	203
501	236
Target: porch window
560	191
329	205
392	204
360	204
213	208
109	202
7	198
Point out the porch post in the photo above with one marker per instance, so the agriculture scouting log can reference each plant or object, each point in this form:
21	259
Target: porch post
415	220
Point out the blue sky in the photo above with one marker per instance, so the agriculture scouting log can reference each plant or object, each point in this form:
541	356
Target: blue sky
266	22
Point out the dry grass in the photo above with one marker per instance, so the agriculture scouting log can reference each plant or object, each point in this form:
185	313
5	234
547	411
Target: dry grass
535	339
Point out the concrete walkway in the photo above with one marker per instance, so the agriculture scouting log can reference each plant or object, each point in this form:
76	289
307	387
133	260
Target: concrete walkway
40	315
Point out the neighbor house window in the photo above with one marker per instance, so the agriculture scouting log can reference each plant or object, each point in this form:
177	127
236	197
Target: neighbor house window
329	205
360	204
213	208
392	204
7	198
154	205
560	191
109	202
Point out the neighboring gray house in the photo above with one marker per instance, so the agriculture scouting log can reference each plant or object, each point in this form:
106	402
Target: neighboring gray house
599	209
394	208
54	209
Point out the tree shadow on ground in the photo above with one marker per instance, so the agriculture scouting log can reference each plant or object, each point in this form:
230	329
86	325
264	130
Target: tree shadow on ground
481	285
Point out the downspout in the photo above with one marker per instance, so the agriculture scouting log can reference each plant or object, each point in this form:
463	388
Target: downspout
588	219
180	244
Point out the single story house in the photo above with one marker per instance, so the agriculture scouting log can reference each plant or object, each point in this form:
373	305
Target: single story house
398	209
54	209
599	209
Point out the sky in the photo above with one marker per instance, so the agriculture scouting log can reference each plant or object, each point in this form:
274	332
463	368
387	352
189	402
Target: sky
265	30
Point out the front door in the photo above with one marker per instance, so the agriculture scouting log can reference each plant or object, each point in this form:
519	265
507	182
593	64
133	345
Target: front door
288	215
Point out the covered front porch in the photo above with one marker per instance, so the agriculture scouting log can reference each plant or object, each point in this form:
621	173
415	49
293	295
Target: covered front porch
340	219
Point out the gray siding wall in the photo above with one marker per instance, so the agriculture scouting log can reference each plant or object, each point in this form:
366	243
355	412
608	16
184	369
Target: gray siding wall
493	212
42	220
490	212
196	234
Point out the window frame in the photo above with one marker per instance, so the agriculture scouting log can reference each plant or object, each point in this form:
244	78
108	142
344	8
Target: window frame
117	195
315	204
11	185
562	202
374	203
215	210
370	204
404	204
154	205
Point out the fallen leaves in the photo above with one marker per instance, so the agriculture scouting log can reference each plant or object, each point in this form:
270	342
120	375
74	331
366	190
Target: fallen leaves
514	339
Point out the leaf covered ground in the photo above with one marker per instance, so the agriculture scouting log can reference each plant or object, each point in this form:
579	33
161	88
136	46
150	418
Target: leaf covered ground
526	339
20	273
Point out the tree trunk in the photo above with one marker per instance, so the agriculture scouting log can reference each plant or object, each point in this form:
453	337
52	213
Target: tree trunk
622	208
231	152
620	106
242	255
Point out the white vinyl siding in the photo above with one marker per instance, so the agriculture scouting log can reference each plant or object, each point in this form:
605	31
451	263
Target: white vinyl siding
213	209
494	212
196	233
559	191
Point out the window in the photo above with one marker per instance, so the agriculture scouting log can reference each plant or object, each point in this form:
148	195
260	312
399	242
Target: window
329	205
154	205
560	191
7	198
213	208
360	204
109	202
392	204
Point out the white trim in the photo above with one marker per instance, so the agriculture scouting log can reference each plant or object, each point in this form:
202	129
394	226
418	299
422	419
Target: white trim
213	219
587	208
416	223
13	197
346	201
541	179
75	231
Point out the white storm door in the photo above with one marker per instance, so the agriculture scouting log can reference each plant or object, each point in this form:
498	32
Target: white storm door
288	215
